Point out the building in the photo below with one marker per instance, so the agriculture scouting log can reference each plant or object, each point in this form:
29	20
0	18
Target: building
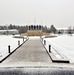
9	31
64	30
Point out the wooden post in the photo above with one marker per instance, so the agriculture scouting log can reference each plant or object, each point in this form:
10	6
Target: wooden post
50	48
18	43
42	39
44	42
9	49
23	39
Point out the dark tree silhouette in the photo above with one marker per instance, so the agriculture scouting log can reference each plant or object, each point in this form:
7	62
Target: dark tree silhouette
32	27
69	31
37	27
29	27
23	29
53	29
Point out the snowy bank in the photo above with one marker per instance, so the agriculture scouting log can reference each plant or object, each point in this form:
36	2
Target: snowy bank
5	41
63	45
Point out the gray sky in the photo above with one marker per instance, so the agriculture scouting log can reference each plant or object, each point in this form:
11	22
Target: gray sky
60	13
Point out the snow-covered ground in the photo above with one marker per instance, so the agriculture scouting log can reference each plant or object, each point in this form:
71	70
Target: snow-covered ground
34	37
63	45
5	41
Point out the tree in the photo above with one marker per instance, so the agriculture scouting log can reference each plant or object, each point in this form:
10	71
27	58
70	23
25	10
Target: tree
73	30
53	29
39	27
32	27
10	26
45	28
69	31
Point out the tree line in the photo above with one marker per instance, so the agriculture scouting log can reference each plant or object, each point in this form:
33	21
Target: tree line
23	29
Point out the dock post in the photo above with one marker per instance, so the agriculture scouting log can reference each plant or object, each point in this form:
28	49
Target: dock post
42	39
23	39
44	42
18	43
9	49
50	48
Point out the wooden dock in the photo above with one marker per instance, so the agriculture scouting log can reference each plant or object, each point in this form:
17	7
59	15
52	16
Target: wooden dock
30	53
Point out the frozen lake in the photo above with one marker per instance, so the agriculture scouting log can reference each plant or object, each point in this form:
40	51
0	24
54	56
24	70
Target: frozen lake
63	44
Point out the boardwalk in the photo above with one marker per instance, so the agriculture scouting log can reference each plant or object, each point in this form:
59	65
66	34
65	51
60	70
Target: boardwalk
31	53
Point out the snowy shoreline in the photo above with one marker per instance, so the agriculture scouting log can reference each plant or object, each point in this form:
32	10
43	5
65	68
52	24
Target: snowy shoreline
63	45
7	40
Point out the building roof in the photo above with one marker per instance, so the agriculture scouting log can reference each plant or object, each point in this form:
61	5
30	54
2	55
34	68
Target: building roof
8	30
61	28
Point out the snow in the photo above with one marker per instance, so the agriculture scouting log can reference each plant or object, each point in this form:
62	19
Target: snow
62	46
9	30
34	37
5	41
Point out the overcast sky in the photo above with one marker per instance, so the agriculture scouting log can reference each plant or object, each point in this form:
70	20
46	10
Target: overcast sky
60	13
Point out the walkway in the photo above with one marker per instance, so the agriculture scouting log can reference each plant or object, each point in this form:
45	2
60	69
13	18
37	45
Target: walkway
31	53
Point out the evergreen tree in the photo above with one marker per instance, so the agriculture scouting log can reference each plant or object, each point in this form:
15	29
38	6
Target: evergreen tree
53	29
